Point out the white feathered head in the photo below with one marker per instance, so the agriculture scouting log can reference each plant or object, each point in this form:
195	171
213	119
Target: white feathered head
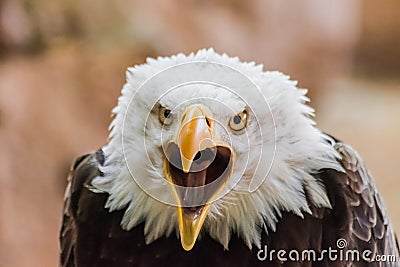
205	143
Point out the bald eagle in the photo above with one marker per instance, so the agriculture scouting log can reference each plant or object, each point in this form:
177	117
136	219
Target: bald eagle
214	162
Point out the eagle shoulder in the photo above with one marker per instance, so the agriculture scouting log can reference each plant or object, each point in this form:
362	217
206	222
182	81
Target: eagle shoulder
83	170
359	207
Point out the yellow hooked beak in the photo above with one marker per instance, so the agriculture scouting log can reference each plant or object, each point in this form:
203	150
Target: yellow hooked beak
195	136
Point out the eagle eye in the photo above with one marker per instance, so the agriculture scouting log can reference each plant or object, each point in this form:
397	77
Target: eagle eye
238	122
165	116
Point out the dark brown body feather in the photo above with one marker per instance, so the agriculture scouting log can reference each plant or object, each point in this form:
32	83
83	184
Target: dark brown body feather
92	236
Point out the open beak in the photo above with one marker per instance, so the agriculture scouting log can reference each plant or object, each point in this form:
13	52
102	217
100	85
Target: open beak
197	168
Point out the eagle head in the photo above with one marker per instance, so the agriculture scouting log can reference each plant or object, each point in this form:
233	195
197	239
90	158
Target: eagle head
206	144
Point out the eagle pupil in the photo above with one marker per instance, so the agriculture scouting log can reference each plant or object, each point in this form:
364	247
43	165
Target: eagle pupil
167	112
208	122
237	119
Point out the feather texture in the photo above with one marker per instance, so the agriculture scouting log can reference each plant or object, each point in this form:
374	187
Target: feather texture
280	142
292	186
91	235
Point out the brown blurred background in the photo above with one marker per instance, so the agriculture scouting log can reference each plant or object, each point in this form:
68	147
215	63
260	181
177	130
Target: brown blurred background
62	65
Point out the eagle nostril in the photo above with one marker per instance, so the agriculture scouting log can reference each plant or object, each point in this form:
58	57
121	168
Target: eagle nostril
206	155
198	156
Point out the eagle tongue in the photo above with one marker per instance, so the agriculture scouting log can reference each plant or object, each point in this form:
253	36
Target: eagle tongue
192	194
195	179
